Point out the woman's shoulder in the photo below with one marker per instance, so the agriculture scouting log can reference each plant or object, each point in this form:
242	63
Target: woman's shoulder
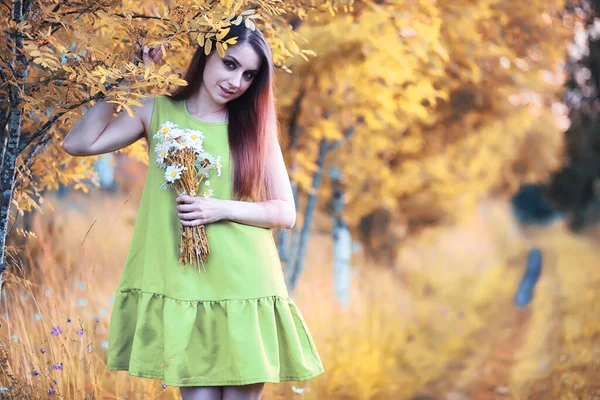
144	112
149	104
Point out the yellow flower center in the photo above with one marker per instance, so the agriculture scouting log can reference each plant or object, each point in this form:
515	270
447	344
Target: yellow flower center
165	131
173	174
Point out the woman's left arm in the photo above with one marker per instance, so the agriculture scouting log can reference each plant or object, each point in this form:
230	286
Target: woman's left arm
277	213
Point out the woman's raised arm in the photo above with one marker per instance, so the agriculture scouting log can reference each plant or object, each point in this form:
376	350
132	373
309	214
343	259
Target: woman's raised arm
95	133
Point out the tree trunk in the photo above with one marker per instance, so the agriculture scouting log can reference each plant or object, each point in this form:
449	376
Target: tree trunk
7	185
105	169
300	242
286	243
18	64
294	273
342	241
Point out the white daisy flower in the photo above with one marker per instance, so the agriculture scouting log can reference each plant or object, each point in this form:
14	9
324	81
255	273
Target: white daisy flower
162	151
195	139
180	144
172	134
208	193
173	172
165	130
175	133
207	183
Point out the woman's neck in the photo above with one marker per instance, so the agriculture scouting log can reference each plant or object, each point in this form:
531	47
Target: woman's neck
203	107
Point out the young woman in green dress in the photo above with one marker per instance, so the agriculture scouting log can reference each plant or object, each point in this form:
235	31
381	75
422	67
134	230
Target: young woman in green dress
225	332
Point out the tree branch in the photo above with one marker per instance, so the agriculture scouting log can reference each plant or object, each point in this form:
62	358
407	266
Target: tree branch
295	115
347	134
42	132
142	16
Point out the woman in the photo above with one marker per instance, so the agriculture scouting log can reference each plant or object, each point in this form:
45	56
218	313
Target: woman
224	333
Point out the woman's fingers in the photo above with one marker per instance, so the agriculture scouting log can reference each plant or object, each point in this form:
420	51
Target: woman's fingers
186	207
145	55
189	214
156	54
191	223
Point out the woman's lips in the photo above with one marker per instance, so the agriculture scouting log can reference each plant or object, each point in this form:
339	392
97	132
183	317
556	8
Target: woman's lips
226	93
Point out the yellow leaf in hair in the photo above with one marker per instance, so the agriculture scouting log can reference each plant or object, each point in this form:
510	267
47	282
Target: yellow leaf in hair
220	49
208	47
222	33
250	25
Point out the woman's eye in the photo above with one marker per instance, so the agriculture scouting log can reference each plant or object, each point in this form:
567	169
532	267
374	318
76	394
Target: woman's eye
248	75
228	64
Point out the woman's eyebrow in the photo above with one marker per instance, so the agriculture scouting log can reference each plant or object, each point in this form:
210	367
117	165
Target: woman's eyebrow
239	65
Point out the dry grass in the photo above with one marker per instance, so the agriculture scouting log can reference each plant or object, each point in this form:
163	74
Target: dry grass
422	329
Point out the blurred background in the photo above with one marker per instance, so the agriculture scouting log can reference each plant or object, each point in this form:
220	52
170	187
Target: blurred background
445	158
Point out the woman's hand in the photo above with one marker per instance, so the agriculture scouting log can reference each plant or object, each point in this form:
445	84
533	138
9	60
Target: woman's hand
155	54
195	210
148	54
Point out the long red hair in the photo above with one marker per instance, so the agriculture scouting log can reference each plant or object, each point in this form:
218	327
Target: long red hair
253	129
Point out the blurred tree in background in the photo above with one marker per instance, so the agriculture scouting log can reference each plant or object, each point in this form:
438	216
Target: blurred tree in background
575	188
423	107
449	102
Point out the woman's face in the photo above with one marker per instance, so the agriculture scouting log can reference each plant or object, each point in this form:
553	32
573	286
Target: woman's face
229	77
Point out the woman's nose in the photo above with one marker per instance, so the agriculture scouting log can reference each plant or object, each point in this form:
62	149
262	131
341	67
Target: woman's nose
235	81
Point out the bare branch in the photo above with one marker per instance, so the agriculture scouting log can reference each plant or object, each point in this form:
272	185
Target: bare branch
142	16
347	134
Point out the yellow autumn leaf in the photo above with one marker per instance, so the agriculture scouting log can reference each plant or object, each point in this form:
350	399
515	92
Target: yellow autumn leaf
220	49
222	33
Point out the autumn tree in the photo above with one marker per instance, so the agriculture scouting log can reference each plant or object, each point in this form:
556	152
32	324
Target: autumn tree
447	102
574	189
58	57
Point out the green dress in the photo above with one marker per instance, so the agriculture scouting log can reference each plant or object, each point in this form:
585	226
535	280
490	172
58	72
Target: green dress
232	325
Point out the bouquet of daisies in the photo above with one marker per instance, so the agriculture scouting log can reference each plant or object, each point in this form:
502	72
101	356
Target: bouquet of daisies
180	153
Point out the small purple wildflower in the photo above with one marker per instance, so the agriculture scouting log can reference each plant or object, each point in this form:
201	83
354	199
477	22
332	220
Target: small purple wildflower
55	382
42	351
69	320
56	366
50	391
56	330
36	372
89	347
164	386
80	332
